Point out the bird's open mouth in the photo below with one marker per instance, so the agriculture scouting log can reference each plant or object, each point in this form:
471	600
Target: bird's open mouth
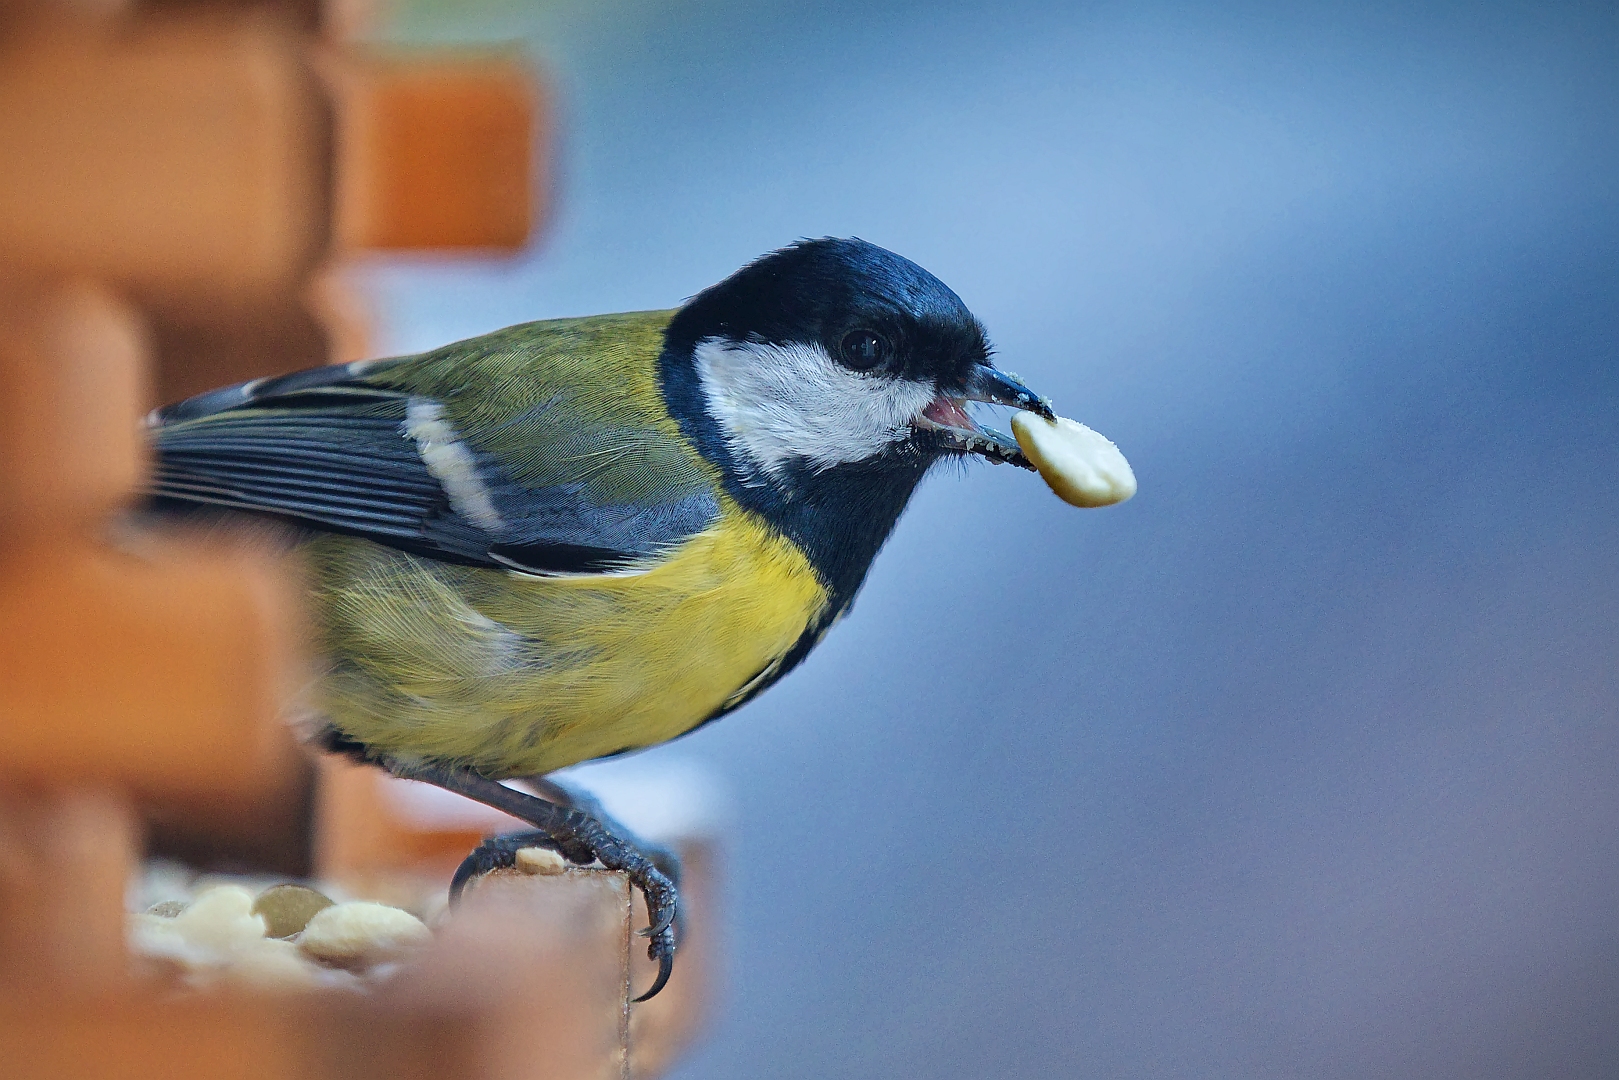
946	420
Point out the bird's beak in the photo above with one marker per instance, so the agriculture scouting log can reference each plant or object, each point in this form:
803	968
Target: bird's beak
946	420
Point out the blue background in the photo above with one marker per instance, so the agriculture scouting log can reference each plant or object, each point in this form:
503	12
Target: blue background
1304	762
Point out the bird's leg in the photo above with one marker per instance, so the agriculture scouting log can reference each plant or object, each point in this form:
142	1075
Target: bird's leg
577	835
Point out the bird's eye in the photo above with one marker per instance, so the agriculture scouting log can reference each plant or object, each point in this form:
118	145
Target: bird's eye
864	349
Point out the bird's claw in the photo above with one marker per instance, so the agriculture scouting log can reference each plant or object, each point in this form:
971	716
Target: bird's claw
662	908
500	853
662	949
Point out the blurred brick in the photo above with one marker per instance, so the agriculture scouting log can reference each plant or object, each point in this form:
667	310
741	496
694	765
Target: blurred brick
302	14
66	856
346	312
164	672
364	835
233	832
73	377
200	348
543	961
436	153
125	1037
180	158
345	20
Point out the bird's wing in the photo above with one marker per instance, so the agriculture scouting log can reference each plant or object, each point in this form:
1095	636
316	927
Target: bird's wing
544	447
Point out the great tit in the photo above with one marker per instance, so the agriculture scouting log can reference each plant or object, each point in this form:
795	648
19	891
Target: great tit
568	539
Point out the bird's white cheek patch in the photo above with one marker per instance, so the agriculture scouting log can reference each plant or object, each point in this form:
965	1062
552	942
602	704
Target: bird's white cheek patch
450	462
1082	466
781	403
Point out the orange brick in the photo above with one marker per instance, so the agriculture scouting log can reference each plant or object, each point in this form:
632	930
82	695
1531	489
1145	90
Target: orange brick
362	835
344	309
65	859
164	671
125	1037
180	158
544	962
72	375
436	153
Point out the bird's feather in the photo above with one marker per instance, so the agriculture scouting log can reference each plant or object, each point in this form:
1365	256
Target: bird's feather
542	447
520	676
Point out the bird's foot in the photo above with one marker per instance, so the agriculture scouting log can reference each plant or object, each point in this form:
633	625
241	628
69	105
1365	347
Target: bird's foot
578	836
582	847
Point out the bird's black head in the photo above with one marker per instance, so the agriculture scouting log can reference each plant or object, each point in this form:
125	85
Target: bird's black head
825	378
834	352
873	312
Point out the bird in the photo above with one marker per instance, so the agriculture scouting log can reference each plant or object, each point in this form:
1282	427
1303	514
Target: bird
579	537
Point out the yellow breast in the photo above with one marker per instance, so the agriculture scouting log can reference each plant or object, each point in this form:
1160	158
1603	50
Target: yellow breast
519	675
